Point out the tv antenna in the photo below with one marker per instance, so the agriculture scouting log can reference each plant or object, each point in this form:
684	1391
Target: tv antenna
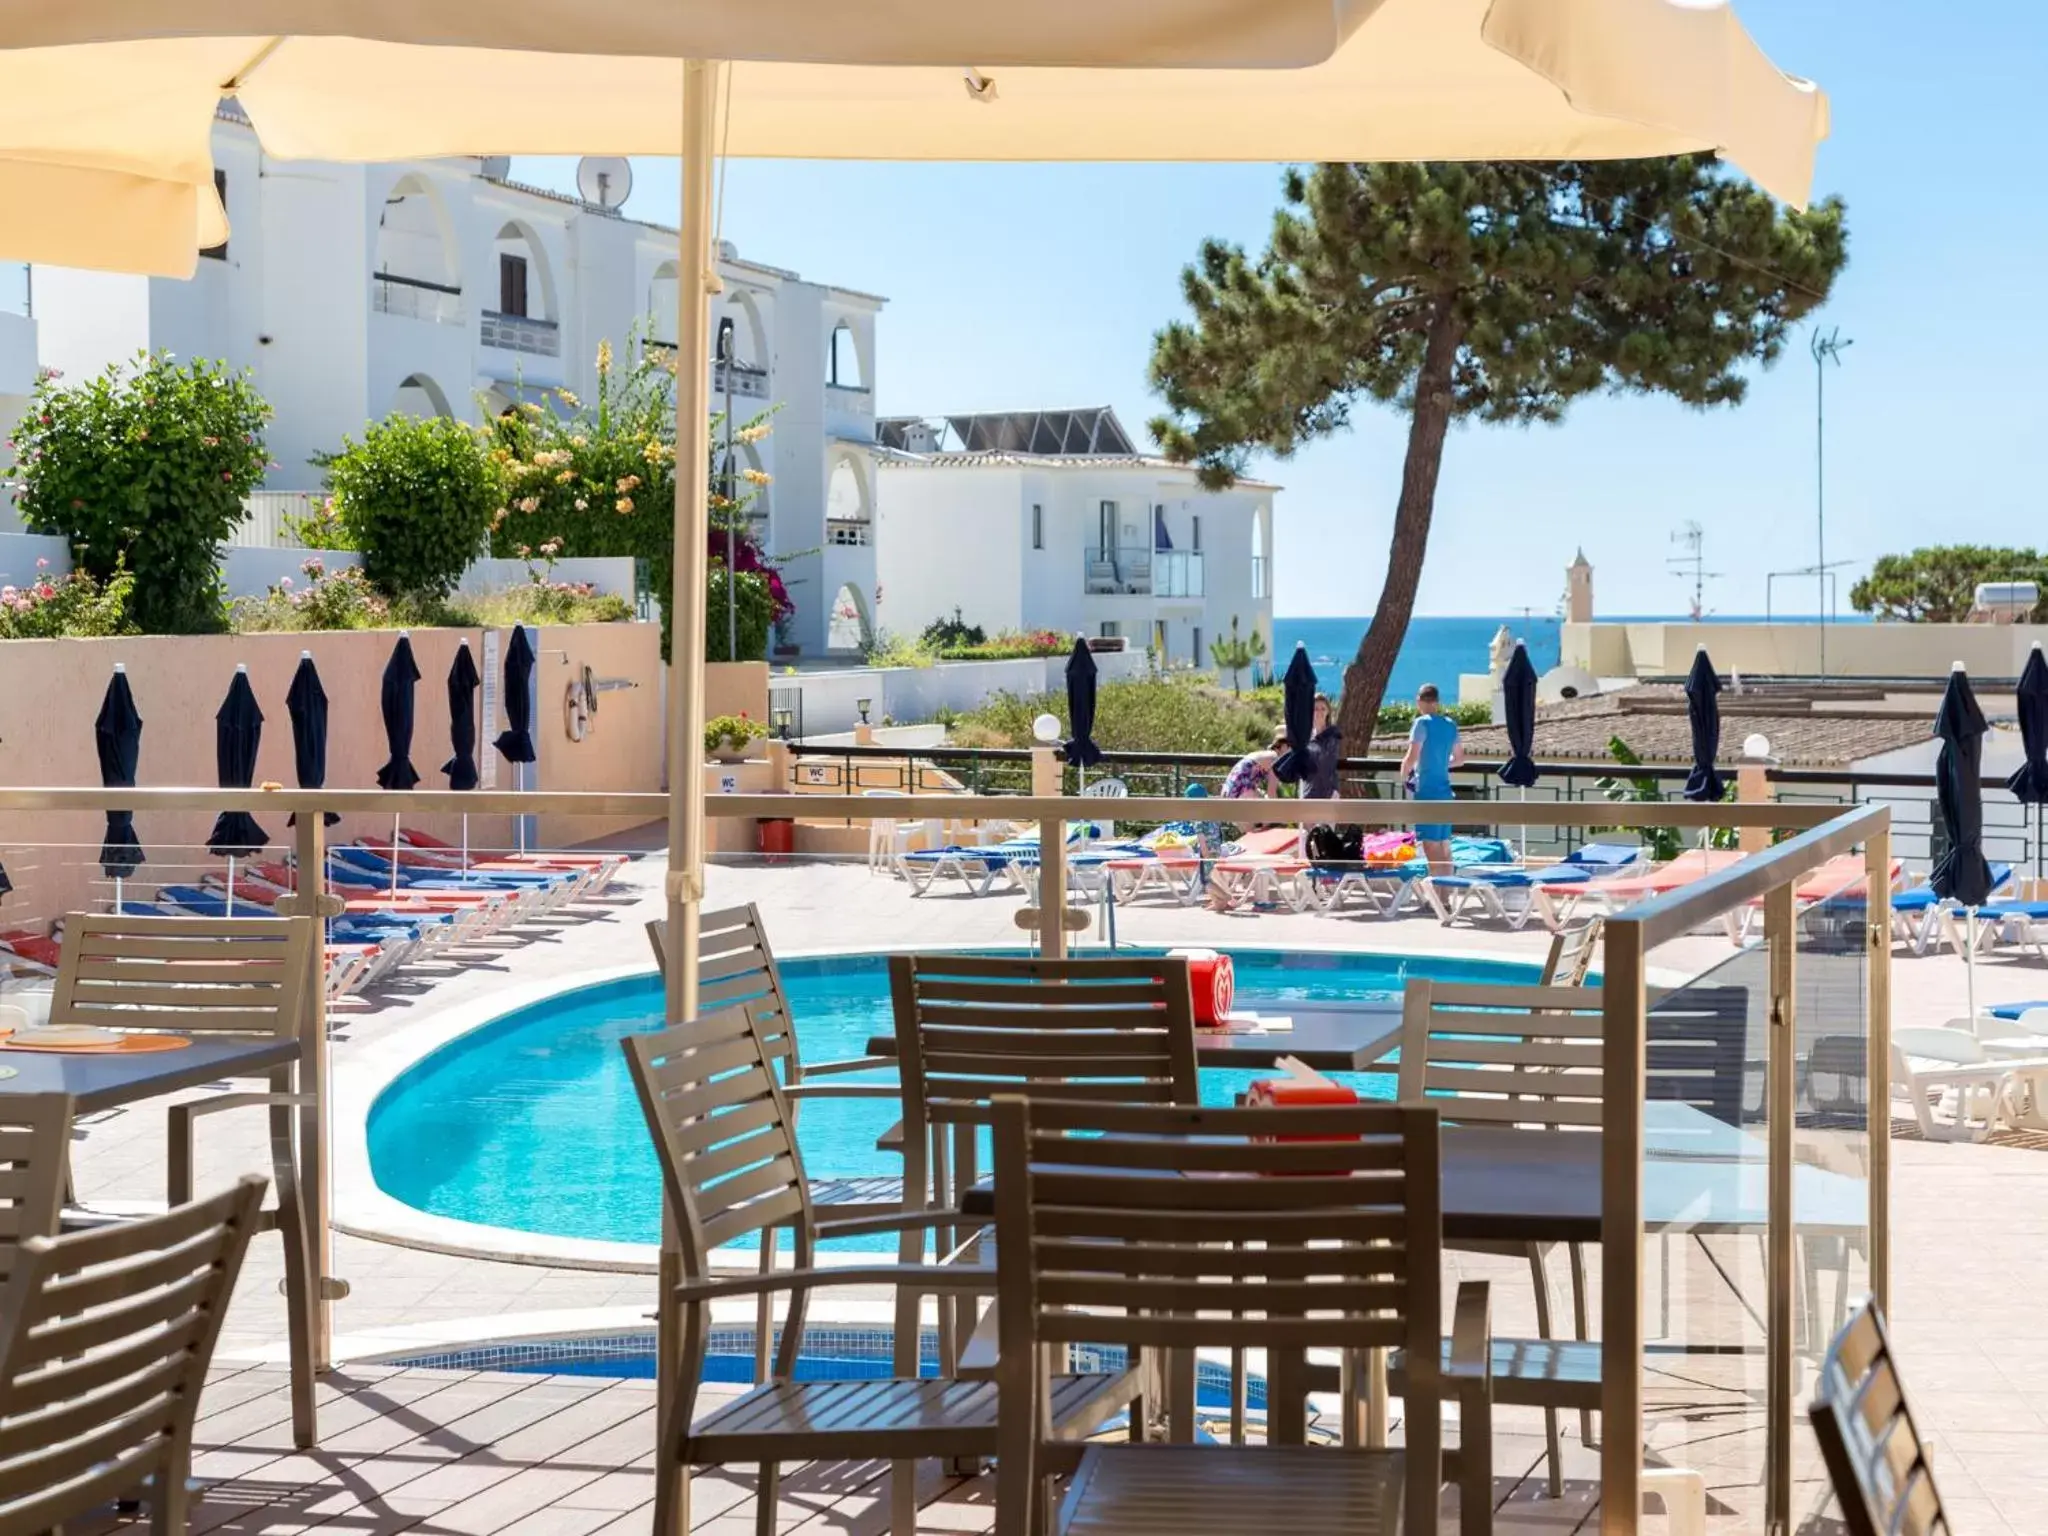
1692	538
605	180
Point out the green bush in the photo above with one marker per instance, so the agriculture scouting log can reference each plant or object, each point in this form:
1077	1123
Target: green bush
66	607
320	528
756	610
145	465
943	634
416	496
1396	719
319	600
1169	714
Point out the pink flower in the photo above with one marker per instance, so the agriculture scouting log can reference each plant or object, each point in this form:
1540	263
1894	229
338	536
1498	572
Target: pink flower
42	563
286	583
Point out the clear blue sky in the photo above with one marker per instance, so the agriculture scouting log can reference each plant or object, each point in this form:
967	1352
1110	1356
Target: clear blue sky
1041	285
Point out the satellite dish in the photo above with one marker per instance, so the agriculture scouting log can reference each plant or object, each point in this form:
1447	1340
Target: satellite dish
606	180
1561	683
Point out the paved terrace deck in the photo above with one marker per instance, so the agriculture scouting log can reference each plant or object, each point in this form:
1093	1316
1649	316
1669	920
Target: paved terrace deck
478	1454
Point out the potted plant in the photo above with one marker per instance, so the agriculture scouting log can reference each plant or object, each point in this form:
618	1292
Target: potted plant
728	737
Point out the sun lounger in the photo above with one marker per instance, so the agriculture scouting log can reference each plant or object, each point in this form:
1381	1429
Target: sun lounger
607	864
1558	901
1935	1066
1266	867
1840	879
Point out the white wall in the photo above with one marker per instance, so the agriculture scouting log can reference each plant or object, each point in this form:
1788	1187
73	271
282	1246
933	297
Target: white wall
948	537
910	694
314	368
86	320
19	553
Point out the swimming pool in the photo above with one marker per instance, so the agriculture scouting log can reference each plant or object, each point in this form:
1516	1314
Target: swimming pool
530	1122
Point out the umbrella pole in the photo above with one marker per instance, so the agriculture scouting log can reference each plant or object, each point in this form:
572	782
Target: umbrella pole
394	860
1970	960
117	895
231	885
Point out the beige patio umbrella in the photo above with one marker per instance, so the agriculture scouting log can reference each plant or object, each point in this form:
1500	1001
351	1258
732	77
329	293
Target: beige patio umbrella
132	86
114	220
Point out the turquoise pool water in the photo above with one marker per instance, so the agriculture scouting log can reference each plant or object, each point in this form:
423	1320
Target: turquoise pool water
530	1122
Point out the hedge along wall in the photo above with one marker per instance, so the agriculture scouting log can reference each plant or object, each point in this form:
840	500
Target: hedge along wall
50	691
251	570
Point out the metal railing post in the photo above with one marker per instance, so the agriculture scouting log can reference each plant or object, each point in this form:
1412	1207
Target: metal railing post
1877	862
1623	1001
1781	936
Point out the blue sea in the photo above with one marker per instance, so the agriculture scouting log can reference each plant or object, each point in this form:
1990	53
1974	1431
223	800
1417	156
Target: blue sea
1437	650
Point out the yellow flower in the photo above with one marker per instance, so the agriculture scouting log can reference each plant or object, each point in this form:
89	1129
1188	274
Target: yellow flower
604	357
528	504
565	477
569	400
629	482
530	408
580	441
624	504
754	476
751	434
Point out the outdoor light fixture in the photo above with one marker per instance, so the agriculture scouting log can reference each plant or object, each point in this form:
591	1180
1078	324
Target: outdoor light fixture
1046	728
782	719
1756	747
862	706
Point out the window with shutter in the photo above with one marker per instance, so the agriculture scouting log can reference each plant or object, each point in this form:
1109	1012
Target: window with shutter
512	285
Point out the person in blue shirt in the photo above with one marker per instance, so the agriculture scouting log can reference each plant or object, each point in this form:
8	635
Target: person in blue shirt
1433	751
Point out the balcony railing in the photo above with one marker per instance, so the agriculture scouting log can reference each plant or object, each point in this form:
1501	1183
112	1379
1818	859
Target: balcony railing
416	298
748	381
1121	572
852	532
1177	573
857	398
522	333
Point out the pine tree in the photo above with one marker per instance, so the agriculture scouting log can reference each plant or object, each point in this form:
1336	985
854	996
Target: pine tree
1233	654
1496	292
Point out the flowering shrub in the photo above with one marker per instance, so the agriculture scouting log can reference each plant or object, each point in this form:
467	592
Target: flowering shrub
342	599
416	496
1008	645
751	606
598	478
548	601
737	730
63	607
144	466
320	528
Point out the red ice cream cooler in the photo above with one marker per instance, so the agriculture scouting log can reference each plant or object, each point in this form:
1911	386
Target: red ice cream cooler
1213	980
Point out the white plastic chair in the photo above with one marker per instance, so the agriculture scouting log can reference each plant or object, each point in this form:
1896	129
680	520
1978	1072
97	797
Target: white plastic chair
889	838
1106	789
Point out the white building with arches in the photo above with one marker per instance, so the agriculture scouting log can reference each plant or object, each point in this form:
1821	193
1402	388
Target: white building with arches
1054	520
442	288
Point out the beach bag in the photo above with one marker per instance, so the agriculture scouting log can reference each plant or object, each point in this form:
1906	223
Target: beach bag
1335	845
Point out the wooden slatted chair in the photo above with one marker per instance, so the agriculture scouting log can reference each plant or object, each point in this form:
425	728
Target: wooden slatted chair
1176	1228
735	967
969	1027
1875	1457
105	1339
211	976
1572	949
731	1169
35	1137
1532	1059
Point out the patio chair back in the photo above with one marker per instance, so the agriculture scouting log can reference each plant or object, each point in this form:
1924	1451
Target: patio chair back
1572	949
735	966
105	1338
729	1164
1533	1057
1875	1456
35	1132
183	975
1152	1226
969	1027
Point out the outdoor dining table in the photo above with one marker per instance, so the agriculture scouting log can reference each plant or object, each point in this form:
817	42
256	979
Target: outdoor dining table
1347	1039
98	1080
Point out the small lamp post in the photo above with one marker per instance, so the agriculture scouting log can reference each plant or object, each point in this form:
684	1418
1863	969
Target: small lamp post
862	705
782	719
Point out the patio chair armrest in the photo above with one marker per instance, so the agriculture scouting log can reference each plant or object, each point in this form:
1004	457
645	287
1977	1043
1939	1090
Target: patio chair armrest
1471	1358
892	1221
921	1277
851	1064
178	1162
810	1090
